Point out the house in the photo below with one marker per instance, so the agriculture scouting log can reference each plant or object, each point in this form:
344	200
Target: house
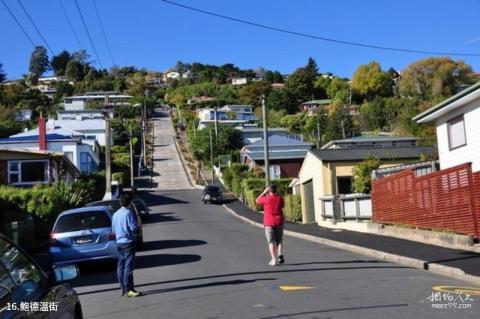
83	114
89	127
233	115
251	135
95	100
329	171
23	115
286	154
239	81
200	99
171	75
82	151
372	141
458	131
311	106
26	167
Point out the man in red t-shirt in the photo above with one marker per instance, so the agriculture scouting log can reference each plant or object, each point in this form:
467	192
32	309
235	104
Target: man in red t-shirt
273	221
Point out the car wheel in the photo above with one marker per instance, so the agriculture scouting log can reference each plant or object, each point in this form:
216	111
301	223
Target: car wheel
78	311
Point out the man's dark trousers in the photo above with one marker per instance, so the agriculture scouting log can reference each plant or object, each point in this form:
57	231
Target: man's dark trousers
125	266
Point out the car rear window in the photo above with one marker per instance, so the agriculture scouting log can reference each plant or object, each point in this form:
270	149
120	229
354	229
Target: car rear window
82	220
140	205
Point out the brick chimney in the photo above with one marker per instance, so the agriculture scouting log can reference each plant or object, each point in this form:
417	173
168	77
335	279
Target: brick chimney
42	134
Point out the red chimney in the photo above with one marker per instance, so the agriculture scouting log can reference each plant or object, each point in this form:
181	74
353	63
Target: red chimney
42	134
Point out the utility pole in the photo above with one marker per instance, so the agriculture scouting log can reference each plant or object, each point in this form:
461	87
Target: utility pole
265	143
132	178
211	156
343	128
108	165
319	136
216	124
144	130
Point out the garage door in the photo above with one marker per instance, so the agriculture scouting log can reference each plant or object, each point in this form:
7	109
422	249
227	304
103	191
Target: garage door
309	208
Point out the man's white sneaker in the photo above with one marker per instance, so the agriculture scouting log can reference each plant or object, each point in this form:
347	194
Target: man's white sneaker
273	263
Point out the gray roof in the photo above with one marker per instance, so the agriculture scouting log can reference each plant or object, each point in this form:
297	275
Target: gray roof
360	154
272	155
280	140
377	138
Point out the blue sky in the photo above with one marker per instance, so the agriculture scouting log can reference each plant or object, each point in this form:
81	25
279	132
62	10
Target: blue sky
154	35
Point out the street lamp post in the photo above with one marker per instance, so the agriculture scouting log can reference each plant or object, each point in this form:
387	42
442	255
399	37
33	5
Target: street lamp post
265	143
108	165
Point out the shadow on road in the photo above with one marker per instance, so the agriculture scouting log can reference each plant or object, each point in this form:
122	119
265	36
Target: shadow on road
102	273
160	218
289	315
157	199
210	284
167	244
337	262
278	270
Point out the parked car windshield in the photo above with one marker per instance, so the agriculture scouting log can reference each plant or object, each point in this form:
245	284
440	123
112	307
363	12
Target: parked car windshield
140	204
212	189
82	220
18	276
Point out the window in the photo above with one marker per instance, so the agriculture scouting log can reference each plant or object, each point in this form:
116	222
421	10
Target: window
28	172
275	171
456	133
24	280
87	164
344	185
82	220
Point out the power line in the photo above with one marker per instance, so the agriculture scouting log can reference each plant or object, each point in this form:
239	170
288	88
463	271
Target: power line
35	26
103	32
88	33
316	37
18	24
70	24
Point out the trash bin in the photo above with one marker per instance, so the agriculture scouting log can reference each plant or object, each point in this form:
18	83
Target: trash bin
21	232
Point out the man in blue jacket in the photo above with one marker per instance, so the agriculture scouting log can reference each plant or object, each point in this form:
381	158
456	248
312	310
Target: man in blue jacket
124	225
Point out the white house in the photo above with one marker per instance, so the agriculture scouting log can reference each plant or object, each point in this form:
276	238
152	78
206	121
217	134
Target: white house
233	115
458	130
94	100
239	81
82	151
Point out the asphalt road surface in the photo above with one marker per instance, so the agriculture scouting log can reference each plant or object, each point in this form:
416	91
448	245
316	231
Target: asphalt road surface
201	262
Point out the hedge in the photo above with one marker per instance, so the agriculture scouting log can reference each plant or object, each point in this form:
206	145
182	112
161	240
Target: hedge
250	197
293	207
42	202
123	178
259	183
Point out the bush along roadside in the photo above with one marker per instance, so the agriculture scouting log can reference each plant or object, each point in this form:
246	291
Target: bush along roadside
43	203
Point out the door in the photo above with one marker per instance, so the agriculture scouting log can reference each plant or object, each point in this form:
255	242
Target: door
308	205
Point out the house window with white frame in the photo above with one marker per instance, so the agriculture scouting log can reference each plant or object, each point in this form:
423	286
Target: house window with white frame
456	133
28	172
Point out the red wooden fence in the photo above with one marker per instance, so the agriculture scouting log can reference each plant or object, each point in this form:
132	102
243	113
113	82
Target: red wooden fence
445	200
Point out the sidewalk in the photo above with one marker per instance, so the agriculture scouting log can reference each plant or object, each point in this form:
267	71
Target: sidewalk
459	264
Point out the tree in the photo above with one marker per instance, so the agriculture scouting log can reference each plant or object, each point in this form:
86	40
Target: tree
74	71
374	113
3	76
362	180
277	77
339	124
299	86
81	57
59	62
280	100
39	62
370	81
431	78
63	89
338	90
252	92
228	140
311	69
321	85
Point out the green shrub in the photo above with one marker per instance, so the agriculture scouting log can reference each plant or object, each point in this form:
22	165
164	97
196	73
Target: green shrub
43	202
293	207
282	185
123	178
253	183
237	186
250	197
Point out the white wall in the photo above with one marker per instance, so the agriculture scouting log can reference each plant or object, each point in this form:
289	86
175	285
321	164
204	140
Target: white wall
469	152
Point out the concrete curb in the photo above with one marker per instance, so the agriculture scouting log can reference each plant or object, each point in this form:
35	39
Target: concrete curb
443	270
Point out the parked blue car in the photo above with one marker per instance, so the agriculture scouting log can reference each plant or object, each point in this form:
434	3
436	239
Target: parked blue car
81	235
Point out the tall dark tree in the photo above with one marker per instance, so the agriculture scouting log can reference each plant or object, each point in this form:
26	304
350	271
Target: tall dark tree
3	76
39	62
59	62
74	71
311	69
277	77
339	124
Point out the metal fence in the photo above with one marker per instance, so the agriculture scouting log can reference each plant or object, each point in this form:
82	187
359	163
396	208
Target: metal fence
343	207
446	200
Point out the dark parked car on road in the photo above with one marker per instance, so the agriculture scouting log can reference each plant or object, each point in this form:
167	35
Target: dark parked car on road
22	282
142	207
212	194
113	206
